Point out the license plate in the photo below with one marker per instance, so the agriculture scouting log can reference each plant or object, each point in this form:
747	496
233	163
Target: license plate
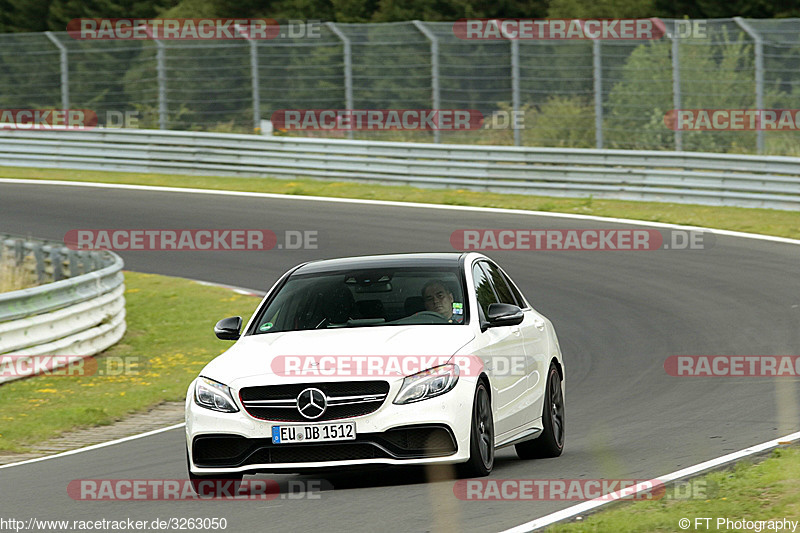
313	433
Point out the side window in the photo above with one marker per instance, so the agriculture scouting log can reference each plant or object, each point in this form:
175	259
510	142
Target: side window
483	290
504	291
516	292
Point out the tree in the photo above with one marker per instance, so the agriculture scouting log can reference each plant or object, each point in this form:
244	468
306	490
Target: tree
724	9
62	11
602	9
26	15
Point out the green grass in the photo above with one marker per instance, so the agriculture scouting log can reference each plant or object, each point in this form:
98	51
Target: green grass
767	490
764	221
170	328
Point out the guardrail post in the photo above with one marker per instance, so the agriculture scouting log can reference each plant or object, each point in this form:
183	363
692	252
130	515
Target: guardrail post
72	262
38	255
598	93
676	85
76	263
19	251
348	68
759	73
435	90
162	84
56	262
64	61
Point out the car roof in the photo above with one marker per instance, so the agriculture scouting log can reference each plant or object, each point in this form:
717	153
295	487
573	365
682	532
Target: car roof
451	259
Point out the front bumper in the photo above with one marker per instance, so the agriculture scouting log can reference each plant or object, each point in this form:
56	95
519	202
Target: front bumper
433	431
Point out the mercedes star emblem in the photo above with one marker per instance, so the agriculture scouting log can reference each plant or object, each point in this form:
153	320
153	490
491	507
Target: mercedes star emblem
312	403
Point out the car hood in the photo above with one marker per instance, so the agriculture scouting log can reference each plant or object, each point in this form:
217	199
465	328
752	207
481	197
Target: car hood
252	356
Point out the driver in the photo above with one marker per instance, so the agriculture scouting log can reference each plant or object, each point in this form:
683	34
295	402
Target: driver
438	299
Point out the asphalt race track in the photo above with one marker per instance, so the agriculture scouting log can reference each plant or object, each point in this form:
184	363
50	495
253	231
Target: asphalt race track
618	315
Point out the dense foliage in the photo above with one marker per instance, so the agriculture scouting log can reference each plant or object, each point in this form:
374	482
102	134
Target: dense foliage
41	15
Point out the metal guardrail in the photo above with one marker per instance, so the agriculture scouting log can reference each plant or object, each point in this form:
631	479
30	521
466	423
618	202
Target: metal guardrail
73	316
684	177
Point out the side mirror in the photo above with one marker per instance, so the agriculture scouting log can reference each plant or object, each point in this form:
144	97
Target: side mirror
504	315
227	329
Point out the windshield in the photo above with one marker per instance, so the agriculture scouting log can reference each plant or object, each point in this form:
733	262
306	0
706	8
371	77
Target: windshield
366	297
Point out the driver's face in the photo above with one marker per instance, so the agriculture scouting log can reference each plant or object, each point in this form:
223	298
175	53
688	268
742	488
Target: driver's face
439	300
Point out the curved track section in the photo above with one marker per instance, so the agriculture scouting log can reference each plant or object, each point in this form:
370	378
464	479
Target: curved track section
618	316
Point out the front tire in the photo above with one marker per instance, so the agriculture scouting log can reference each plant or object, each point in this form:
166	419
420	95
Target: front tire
551	442
481	442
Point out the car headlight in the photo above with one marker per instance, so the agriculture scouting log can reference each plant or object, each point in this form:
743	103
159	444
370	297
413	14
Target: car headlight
212	395
428	384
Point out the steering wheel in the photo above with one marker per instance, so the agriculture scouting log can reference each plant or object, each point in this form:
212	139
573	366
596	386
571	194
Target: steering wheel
432	314
327	322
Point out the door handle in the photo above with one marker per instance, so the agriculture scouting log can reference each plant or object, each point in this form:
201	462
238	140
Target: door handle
539	324
516	331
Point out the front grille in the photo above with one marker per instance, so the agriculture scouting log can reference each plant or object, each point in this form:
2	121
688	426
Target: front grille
346	399
335	388
408	442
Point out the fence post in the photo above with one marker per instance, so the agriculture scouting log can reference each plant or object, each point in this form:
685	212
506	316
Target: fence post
435	91
256	86
254	75
64	69
759	60
676	86
162	84
597	69
515	99
348	69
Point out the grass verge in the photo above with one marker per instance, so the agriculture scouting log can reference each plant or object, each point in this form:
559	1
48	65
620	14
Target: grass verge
766	490
763	221
14	278
170	323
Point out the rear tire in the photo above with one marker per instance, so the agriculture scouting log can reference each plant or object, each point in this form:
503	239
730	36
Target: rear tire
481	441
551	441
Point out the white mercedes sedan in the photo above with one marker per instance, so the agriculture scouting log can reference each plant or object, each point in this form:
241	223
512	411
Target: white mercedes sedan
408	359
